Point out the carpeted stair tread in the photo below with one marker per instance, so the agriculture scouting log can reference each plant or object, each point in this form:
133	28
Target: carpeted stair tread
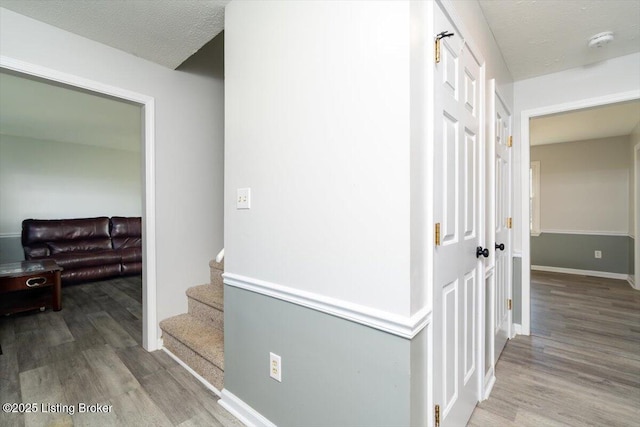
199	336
208	295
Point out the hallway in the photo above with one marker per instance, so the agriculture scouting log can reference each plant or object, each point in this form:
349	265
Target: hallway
581	364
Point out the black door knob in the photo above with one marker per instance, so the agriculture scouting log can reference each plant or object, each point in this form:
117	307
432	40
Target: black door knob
500	246
484	252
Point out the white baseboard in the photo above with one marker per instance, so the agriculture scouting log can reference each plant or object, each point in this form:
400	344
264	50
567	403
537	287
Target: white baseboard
206	383
489	387
593	273
517	328
245	413
632	281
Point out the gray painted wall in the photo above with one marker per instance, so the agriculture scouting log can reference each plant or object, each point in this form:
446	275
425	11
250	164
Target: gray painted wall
517	290
577	251
11	250
334	372
632	250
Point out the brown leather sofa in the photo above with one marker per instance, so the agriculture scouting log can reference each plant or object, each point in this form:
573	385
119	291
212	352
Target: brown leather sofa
86	248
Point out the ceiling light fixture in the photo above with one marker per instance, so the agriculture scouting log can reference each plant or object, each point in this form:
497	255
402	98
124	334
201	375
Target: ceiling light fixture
601	39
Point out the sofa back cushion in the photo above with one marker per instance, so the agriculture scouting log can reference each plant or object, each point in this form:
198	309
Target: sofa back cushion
43	236
79	245
126	232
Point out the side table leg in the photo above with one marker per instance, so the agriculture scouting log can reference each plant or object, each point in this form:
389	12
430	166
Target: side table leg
57	293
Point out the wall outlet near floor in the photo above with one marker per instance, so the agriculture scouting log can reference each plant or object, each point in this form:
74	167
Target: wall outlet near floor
598	254
275	367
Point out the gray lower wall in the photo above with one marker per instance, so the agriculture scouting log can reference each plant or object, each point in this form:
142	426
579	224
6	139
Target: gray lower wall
632	250
11	249
517	290
577	251
334	372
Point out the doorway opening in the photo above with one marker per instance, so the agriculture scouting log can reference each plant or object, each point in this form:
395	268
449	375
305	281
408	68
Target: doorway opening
147	103
525	201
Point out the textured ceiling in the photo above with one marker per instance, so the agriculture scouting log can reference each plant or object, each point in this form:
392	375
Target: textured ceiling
166	32
591	123
539	37
536	37
34	109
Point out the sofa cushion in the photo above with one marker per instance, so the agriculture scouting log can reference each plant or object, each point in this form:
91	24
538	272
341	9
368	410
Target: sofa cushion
126	232
48	230
79	245
36	250
132	268
130	255
85	259
86	274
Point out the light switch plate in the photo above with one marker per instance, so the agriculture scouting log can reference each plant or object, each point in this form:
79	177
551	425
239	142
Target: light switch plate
243	199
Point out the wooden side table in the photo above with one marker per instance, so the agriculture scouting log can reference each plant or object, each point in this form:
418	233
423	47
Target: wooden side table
30	285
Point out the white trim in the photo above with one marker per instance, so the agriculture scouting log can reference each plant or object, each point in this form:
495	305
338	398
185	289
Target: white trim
10	235
396	324
516	254
206	383
489	387
149	306
592	273
245	413
517	327
636	216
588	232
534	180
525	155
632	282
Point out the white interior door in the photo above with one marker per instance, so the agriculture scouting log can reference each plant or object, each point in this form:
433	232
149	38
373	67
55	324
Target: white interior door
457	200
502	197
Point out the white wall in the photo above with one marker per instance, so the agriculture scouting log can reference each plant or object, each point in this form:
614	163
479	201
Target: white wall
189	143
614	76
318	127
54	180
584	185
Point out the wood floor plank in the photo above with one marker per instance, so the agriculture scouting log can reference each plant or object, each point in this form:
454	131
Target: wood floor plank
580	366
169	395
135	408
110	330
112	375
140	362
205	397
42	386
90	353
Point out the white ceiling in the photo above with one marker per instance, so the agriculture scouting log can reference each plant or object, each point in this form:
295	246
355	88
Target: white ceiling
539	37
166	32
536	37
591	123
33	109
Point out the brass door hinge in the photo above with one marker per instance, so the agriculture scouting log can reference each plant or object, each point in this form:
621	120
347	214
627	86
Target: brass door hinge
437	234
510	142
437	414
438	38
509	304
509	222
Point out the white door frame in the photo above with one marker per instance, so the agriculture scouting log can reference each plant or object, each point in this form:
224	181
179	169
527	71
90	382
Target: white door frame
636	216
149	306
525	116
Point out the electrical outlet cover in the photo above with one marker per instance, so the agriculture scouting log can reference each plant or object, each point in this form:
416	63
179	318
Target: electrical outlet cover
275	367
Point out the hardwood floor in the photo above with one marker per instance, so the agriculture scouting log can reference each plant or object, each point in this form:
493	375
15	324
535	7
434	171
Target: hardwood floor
581	364
90	353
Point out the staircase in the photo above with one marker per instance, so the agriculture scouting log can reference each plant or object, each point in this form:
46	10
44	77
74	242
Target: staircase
197	337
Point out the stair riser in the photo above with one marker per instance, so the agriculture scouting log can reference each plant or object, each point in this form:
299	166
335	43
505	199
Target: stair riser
216	273
210	372
208	314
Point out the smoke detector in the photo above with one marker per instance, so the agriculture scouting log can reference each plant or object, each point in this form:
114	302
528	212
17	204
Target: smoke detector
601	39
